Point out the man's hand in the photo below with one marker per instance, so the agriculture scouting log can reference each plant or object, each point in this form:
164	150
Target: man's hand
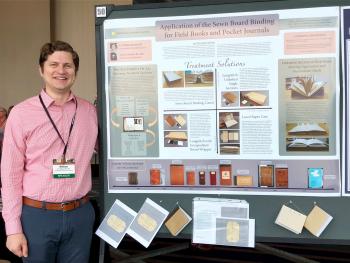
17	244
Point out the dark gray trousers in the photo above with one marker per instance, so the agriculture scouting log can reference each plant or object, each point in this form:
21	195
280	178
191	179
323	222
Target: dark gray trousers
58	236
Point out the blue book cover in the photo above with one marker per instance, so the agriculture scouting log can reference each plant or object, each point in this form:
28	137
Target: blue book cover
315	177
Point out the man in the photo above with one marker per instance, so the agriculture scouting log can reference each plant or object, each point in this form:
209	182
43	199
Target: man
45	170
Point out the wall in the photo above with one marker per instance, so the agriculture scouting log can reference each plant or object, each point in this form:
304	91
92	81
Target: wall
75	23
26	24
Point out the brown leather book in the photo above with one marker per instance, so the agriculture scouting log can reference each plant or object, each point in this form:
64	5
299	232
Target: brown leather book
177	174
281	174
201	177
155	177
212	175
225	174
266	176
132	177
170	121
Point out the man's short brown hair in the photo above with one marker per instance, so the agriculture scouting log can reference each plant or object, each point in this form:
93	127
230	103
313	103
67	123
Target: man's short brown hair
49	48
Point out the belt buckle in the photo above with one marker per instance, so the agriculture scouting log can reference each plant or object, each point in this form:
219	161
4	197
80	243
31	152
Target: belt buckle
64	206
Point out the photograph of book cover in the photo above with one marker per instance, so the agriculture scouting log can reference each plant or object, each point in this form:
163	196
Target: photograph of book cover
254	98
173	79
230	99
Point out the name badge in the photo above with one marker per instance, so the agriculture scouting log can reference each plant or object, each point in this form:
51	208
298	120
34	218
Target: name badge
62	168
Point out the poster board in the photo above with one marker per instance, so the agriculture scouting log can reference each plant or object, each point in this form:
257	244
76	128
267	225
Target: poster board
345	11
133	125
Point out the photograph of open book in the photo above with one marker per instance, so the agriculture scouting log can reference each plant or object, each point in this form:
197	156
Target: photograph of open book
307	128
229	148
306	87
307	144
173	79
197	78
175	138
228	120
254	98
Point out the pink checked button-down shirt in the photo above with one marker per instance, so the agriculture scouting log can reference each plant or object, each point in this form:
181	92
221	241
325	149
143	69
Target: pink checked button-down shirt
31	143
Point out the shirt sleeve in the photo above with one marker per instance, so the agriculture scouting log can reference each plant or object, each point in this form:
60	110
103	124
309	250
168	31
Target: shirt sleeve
12	170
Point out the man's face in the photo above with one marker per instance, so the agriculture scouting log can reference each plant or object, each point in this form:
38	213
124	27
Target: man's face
58	72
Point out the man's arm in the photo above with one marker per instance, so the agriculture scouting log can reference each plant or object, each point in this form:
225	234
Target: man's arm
12	169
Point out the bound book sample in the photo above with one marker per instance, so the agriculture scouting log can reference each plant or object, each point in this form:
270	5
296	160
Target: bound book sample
225	174
132	178
281	175
177	174
266	175
155	178
191	177
307	87
244	180
177	220
317	221
256	97
315	177
201	175
290	219
212	175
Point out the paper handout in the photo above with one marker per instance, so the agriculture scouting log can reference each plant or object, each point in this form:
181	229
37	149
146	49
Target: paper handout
115	224
147	222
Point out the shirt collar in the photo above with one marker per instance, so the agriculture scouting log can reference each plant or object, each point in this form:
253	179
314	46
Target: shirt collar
48	101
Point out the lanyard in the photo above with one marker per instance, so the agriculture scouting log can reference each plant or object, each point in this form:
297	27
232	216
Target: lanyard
55	127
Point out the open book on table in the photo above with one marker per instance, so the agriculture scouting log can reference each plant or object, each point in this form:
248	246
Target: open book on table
307	86
307	143
307	128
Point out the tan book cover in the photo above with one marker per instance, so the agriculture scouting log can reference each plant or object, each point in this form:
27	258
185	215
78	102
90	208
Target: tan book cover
224	136
180	120
181	136
244	180
290	219
317	221
177	174
230	97
177	220
256	97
